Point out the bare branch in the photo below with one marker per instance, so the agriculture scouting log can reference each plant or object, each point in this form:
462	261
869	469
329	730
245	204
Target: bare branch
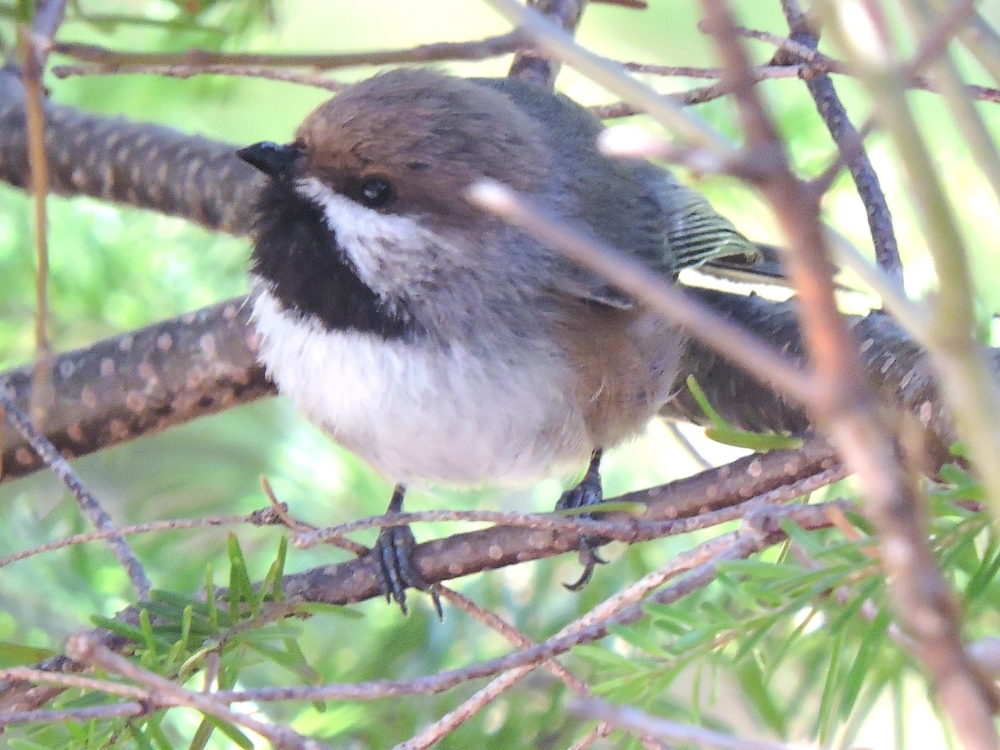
529	65
145	381
669	731
448	723
31	74
173	524
58	716
947	79
844	134
71	681
88	649
612	76
47	19
716	496
110	60
190	71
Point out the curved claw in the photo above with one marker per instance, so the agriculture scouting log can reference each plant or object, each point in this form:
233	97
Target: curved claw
589	559
586	494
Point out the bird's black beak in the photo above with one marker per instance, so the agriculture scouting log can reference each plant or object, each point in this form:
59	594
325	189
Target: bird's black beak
273	160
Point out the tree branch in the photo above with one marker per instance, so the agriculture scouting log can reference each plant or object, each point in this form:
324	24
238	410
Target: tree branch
109	60
141	382
846	136
87	502
845	405
136	164
747	485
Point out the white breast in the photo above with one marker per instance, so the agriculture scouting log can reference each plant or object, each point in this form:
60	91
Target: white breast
420	411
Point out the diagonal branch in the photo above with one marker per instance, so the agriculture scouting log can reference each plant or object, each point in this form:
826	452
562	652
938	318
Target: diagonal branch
846	406
846	136
88	503
141	382
137	164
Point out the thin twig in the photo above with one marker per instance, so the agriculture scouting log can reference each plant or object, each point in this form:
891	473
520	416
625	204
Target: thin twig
481	49
630	531
189	71
981	39
513	635
603	729
482	698
85	714
281	509
912	315
685	443
636	720
626	532
72	681
305	529
842	130
528	65
687	98
164	692
849	410
45	22
935	44
88	503
948	80
31	75
613	77
630	4
123	531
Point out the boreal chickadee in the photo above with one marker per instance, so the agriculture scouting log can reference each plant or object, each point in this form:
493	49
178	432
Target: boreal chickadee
436	342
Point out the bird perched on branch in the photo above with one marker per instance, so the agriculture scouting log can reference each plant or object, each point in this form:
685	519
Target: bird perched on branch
438	343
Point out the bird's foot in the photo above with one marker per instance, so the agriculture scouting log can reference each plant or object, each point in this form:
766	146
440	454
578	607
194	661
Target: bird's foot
394	566
587	493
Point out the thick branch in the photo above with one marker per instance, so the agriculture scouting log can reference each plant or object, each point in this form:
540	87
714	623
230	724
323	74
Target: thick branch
141	382
136	164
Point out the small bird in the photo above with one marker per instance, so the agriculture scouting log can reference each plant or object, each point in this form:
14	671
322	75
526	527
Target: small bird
435	341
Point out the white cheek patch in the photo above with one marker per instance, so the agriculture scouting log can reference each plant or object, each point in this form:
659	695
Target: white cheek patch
376	244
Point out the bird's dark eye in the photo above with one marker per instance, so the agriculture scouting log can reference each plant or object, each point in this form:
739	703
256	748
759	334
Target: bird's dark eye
375	192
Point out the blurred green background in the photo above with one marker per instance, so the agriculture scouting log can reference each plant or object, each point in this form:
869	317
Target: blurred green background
117	269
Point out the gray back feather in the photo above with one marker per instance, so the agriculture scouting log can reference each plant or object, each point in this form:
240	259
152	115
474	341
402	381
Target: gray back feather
634	206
